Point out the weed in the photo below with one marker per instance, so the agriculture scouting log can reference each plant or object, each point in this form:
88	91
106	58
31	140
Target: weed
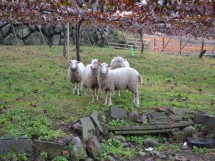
43	156
200	150
60	158
114	146
118	122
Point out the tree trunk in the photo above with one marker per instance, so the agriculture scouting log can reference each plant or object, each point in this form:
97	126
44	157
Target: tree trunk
141	40
64	43
78	26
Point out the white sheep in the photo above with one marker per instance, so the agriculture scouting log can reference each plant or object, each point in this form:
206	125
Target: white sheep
75	72
119	79
119	62
90	78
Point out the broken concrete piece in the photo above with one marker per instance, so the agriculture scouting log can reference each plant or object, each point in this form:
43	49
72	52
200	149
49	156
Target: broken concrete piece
77	152
88	159
158	154
145	131
150	143
53	149
179	112
121	138
208	121
20	145
132	116
152	127
189	131
142	154
117	112
159	117
93	147
88	128
94	117
178	136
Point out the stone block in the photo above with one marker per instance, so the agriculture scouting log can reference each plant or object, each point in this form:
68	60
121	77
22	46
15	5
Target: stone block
95	118
178	136
117	112
53	149
93	147
20	145
88	128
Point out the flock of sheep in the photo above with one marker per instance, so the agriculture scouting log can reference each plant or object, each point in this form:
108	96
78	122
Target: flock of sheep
116	76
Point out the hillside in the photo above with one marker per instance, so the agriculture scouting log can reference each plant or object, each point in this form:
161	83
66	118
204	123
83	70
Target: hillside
36	97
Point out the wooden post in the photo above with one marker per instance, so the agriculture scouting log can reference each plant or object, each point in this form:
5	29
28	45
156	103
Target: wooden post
125	38
180	45
141	40
163	44
183	45
203	43
213	49
67	28
166	44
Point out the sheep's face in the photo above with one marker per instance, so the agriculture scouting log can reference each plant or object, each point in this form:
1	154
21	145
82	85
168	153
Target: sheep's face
73	64
121	62
95	64
104	68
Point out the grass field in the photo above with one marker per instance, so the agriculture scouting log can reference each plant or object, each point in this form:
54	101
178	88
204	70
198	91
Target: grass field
36	97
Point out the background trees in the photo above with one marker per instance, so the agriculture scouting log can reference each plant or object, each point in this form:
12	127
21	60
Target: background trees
171	17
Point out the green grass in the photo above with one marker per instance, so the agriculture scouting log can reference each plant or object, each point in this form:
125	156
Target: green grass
36	97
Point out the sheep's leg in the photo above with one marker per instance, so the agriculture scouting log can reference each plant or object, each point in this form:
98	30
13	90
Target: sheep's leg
110	102
74	89
81	86
93	99
97	95
137	99
114	93
119	93
133	100
78	89
106	97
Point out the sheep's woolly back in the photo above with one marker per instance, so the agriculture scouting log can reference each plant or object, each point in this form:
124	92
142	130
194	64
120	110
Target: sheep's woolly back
75	75
119	79
119	62
90	75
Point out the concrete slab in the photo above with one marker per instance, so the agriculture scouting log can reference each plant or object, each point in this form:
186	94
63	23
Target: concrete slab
53	149
117	112
20	145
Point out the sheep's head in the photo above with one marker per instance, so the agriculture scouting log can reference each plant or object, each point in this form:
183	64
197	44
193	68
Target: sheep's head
95	63
73	64
103	69
121	61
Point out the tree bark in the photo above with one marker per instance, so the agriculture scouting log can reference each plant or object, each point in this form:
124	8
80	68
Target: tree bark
78	26
141	40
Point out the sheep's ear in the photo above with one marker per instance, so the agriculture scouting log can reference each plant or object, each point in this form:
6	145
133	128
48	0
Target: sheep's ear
69	61
109	65
99	60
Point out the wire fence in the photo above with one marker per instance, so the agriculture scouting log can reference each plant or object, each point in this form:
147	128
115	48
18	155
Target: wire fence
181	45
